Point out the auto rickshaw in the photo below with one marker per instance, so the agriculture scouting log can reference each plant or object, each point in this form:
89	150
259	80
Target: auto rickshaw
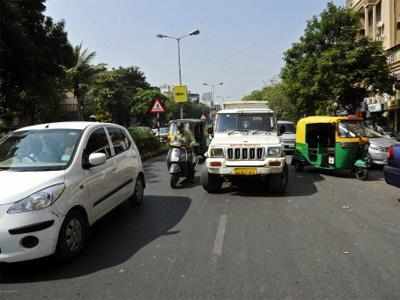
332	143
198	129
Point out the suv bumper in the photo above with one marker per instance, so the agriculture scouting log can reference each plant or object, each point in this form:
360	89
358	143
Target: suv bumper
232	168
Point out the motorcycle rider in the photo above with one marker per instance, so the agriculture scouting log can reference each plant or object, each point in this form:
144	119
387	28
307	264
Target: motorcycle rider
186	139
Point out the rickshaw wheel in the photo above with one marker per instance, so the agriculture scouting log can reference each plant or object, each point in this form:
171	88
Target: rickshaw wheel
298	166
361	173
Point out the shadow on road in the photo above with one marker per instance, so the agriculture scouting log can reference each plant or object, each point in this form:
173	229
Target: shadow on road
152	169
114	240
300	184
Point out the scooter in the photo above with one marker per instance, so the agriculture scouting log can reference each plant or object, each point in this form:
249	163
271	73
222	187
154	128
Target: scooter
180	163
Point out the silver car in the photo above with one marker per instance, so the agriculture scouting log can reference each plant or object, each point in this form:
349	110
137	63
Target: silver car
287	134
378	147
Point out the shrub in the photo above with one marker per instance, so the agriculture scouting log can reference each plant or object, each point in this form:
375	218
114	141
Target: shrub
145	139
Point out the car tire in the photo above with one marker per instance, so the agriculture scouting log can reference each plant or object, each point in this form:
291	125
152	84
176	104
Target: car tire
211	183
138	194
73	235
277	183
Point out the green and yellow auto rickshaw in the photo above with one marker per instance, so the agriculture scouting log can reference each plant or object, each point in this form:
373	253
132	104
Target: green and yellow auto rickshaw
197	127
332	143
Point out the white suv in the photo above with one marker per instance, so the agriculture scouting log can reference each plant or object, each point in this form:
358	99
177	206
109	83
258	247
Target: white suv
57	179
245	145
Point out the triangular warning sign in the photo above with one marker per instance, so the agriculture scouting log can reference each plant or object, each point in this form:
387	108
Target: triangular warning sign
157	107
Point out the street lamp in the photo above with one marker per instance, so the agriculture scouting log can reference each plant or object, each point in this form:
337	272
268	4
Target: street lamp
213	86
178	40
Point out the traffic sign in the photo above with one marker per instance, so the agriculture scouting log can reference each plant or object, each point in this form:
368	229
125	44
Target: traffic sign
180	93
157	107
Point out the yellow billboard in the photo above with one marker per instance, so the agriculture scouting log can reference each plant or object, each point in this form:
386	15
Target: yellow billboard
180	93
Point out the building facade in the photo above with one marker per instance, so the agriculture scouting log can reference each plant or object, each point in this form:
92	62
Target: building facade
380	21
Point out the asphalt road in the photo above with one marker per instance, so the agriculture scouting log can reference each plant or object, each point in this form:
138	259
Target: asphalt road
329	237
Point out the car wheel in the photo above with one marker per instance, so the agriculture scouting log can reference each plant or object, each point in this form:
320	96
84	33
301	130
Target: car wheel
138	194
211	183
279	182
72	236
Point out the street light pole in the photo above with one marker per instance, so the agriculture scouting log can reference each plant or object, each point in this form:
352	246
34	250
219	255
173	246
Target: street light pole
213	86
178	40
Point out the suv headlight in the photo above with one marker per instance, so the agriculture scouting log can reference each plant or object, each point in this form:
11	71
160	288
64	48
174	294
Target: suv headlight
274	152
37	201
217	153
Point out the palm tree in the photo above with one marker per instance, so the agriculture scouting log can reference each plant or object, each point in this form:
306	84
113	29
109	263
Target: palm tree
82	74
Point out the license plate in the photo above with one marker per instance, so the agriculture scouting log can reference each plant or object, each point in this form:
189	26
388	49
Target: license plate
245	171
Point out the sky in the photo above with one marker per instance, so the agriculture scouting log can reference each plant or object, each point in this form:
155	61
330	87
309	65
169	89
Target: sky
241	42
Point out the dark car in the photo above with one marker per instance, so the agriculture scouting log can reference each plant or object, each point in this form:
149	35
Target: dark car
392	170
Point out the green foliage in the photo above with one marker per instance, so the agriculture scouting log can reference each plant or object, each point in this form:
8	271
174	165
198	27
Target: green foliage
332	64
145	139
34	50
82	74
276	96
142	102
112	94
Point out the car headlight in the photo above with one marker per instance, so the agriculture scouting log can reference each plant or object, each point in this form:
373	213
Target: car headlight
274	152
217	153
37	201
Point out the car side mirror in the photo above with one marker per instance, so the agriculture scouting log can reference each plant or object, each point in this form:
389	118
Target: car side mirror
97	159
210	130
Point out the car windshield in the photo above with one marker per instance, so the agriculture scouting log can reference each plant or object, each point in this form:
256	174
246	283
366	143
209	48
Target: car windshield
38	150
244	122
352	129
287	128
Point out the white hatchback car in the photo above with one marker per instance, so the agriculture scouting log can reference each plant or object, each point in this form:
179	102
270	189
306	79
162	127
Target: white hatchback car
57	179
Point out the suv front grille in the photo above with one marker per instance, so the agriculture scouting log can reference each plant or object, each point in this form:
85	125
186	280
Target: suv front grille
245	153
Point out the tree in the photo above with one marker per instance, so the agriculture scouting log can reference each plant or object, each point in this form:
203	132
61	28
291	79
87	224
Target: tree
332	64
113	94
276	95
142	102
33	53
82	74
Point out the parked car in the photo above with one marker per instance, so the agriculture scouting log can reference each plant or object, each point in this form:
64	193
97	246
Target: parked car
392	170
287	134
57	180
378	146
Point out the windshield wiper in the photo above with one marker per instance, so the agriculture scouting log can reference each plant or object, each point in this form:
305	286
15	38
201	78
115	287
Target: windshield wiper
237	130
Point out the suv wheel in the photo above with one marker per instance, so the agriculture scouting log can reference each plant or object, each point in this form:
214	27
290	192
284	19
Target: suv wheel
278	182
211	183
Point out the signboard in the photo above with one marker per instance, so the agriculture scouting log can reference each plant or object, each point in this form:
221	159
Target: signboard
180	93
375	107
157	107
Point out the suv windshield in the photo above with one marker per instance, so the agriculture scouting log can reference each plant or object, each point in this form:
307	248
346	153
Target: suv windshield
352	129
244	122
38	150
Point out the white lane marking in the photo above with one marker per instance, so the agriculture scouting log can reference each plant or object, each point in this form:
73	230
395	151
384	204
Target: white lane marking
219	239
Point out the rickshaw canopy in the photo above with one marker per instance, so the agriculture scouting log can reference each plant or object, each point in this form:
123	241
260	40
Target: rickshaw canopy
302	123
